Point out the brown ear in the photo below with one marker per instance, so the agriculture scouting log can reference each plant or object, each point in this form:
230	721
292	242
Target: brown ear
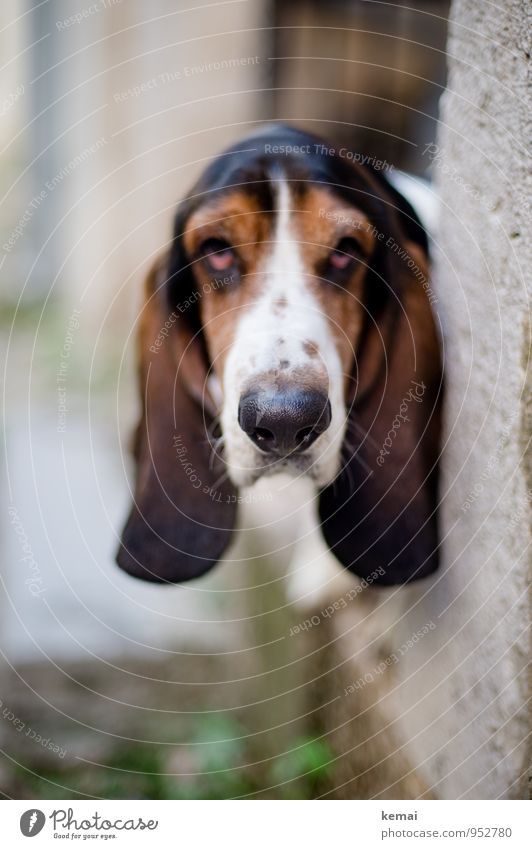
380	514
182	519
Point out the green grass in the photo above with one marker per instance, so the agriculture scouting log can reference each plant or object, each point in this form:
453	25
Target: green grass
214	762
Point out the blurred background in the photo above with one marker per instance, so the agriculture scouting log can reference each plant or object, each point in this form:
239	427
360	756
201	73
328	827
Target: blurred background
113	688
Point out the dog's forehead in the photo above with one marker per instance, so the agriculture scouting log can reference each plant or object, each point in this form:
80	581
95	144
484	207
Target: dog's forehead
250	210
254	164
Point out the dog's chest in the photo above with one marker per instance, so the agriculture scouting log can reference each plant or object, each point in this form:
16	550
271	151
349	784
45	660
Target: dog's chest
278	521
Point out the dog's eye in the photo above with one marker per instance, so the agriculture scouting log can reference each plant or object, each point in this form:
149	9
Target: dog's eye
218	254
346	253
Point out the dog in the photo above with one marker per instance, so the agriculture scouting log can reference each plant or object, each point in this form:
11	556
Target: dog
288	330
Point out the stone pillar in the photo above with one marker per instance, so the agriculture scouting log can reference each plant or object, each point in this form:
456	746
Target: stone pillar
453	701
463	699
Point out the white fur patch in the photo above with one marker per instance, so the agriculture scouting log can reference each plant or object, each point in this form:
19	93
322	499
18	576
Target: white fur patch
271	338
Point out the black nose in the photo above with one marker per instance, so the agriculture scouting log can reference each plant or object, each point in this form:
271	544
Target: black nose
282	422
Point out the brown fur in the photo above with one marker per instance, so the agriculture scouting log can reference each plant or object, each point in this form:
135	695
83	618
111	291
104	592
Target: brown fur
319	222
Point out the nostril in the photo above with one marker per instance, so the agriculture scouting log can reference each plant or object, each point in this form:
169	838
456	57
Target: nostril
304	436
263	437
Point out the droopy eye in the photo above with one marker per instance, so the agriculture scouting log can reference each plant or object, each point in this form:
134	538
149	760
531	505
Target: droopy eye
218	254
347	251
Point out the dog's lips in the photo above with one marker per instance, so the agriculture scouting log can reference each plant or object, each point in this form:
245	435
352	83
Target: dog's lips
295	465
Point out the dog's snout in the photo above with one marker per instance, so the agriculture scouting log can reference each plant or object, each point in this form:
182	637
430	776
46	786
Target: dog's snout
284	422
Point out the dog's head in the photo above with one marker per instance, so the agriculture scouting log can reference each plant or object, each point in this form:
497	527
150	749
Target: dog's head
288	329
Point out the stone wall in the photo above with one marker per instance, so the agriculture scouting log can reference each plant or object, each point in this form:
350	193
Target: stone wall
454	704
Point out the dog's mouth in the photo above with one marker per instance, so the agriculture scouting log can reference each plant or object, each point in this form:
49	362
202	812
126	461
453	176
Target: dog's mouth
247	467
300	463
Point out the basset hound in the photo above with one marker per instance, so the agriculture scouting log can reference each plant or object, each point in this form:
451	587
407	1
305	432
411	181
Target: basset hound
288	329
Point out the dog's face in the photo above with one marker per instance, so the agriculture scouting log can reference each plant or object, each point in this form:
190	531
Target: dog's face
282	313
291	316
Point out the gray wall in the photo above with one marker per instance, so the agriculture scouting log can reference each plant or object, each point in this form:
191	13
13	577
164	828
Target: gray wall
485	252
454	703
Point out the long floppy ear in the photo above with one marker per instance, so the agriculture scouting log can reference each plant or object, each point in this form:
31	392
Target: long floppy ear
379	517
182	518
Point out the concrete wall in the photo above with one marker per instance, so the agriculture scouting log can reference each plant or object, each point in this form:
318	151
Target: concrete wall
453	706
